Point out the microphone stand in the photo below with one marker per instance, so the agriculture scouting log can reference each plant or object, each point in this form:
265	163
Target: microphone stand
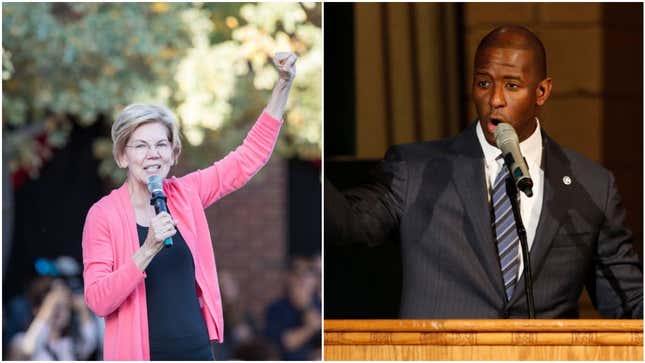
521	232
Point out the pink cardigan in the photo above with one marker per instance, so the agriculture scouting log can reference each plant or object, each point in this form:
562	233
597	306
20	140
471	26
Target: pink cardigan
114	285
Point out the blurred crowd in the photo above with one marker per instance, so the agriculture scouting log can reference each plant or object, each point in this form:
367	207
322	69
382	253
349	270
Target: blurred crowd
49	320
291	329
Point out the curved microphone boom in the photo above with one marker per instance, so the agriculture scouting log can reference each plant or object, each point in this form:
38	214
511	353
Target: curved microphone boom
158	200
507	140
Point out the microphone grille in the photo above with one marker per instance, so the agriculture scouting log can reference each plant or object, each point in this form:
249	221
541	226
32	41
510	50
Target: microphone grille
505	133
155	184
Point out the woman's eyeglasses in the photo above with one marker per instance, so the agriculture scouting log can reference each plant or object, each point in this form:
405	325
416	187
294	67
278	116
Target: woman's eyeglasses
142	148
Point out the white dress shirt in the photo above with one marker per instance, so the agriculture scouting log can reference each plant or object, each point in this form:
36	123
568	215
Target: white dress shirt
530	208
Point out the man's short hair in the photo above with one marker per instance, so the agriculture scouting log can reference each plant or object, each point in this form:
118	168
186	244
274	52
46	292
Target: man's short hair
516	37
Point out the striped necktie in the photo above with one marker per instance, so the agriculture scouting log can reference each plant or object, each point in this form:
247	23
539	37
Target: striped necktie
505	232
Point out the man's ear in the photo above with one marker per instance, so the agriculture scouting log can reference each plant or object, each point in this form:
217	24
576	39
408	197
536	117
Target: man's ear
543	91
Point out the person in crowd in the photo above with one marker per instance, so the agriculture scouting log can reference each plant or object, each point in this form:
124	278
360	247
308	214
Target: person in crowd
164	303
18	312
293	322
63	328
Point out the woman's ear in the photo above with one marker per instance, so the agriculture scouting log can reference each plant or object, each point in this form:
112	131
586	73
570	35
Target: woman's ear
122	162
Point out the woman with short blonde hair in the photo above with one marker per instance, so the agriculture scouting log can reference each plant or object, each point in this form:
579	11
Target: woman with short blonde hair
164	303
138	114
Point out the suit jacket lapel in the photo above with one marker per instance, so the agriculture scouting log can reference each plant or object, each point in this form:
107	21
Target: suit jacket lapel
469	178
554	207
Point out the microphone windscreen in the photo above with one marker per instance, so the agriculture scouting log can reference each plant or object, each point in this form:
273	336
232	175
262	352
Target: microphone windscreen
505	133
155	184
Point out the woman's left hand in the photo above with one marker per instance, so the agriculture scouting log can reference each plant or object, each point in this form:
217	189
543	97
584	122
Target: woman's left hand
285	63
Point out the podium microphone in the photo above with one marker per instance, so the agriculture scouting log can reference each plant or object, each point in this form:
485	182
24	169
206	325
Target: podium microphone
507	140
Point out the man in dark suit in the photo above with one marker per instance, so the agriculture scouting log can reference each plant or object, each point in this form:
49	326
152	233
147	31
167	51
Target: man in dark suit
460	251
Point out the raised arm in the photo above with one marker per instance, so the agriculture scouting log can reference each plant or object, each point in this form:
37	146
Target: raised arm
239	166
285	63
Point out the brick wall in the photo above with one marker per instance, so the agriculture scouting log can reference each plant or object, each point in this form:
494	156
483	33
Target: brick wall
249	232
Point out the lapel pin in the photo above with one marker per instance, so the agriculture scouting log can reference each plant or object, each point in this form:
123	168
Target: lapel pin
566	180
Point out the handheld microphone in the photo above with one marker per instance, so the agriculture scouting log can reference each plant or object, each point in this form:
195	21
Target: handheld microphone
158	200
508	142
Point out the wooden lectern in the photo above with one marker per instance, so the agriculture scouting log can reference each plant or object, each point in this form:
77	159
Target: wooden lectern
484	340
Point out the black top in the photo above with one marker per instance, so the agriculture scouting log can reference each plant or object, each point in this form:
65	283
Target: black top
176	328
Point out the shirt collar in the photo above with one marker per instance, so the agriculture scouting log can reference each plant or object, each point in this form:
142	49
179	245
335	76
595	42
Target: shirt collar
531	148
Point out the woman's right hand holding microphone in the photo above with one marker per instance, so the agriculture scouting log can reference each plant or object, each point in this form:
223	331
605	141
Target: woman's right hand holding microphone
161	226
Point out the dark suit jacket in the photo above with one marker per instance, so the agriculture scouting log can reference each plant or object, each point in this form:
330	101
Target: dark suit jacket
432	198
